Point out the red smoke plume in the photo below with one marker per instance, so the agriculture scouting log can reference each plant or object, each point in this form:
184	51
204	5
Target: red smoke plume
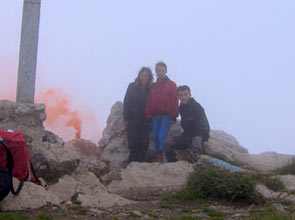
62	119
58	107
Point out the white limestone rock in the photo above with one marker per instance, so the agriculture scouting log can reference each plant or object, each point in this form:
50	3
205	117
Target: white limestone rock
141	180
32	196
288	181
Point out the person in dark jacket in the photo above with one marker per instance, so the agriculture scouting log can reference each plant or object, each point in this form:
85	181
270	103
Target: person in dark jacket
193	121
134	119
161	108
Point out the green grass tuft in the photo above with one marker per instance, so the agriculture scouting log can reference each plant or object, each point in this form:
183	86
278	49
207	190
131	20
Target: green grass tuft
79	210
273	183
224	185
12	216
188	218
44	216
270	214
219	184
213	213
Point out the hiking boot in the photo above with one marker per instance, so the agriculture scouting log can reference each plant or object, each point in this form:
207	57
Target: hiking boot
164	160
159	157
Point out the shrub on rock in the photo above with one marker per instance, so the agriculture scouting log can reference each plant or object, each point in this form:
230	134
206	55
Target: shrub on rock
215	183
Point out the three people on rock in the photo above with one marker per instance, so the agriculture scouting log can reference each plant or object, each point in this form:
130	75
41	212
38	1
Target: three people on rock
157	103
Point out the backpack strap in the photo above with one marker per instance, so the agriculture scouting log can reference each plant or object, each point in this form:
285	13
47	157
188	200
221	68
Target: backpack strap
19	188
10	165
38	181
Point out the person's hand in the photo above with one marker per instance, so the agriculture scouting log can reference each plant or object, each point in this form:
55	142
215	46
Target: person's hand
206	144
126	123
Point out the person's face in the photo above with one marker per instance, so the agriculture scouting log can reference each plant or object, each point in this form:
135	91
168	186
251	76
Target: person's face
161	71
144	77
184	96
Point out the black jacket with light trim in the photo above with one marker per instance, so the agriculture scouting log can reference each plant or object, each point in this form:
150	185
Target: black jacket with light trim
193	119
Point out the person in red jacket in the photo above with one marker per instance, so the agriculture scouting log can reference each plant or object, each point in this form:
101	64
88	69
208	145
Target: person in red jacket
161	108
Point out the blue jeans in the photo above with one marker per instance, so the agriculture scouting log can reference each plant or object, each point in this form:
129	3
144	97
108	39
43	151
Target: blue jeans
160	129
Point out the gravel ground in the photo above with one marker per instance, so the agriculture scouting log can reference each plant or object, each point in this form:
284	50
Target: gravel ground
145	211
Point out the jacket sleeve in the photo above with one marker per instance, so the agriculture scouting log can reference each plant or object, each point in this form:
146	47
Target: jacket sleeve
174	100
127	104
202	120
147	112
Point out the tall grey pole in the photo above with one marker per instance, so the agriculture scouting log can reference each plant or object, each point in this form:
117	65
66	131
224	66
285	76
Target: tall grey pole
28	51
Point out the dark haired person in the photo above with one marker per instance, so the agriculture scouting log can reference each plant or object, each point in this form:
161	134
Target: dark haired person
136	123
193	121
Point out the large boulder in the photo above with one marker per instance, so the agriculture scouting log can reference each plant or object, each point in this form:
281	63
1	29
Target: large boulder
265	162
145	181
32	196
114	147
113	144
26	117
83	188
222	146
87	190
271	195
53	160
225	147
288	181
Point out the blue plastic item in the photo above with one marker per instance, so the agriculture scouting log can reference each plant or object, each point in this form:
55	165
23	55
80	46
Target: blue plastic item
225	165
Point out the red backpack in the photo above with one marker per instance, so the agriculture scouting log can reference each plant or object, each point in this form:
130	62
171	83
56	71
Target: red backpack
23	168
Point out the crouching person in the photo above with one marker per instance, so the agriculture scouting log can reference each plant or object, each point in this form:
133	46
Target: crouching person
195	126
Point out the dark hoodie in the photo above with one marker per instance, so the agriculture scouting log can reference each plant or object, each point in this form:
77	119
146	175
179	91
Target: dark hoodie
193	119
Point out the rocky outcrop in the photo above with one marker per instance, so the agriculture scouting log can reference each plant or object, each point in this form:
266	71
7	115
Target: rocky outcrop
266	162
97	176
114	147
26	117
288	181
49	155
83	188
223	146
87	190
145	181
269	194
113	144
233	153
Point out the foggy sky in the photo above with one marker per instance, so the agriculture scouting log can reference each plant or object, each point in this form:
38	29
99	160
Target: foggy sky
237	57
